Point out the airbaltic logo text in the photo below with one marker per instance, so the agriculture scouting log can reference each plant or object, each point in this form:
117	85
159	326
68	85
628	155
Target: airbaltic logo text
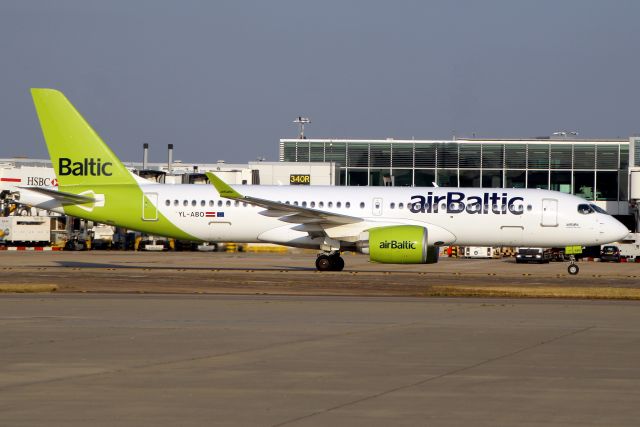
87	167
455	202
394	244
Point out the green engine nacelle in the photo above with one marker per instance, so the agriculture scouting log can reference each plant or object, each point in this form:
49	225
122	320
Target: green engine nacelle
401	244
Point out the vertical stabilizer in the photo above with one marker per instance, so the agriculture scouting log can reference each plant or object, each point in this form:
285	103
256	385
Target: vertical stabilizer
78	154
93	183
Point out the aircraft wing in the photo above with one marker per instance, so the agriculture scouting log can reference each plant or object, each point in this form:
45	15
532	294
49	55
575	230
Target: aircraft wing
290	213
61	196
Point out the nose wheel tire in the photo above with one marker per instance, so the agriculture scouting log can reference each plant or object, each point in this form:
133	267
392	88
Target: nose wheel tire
573	269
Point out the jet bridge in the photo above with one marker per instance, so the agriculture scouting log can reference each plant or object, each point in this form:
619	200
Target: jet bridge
634	196
634	181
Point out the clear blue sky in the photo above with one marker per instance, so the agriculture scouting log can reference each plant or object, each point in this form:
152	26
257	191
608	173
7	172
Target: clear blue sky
225	79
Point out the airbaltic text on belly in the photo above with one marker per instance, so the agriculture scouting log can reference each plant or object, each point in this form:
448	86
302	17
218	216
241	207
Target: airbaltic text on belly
457	202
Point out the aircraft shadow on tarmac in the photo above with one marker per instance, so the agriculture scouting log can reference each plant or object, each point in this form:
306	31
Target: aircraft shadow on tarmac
79	264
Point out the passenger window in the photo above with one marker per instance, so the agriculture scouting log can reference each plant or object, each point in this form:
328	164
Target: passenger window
167	202
321	204
185	203
400	205
295	203
219	202
304	204
211	203
392	205
529	208
228	203
347	205
330	204
202	203
244	204
313	204
176	202
236	203
362	205
193	203
338	204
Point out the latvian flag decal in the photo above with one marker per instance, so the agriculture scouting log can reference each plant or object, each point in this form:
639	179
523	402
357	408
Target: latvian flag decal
214	214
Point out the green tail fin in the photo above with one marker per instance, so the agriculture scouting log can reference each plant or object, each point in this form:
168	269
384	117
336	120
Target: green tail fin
78	154
93	183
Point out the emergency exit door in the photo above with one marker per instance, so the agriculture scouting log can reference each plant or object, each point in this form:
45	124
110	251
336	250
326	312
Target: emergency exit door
377	206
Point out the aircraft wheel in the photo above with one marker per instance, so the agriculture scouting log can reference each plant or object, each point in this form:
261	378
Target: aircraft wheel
323	263
337	263
573	269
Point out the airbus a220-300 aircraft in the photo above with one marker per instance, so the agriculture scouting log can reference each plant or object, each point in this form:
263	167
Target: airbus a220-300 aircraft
391	225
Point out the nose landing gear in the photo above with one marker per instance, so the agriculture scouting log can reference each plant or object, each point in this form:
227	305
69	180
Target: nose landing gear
573	268
330	262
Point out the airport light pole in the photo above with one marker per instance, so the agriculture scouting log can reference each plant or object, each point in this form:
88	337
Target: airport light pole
564	133
301	121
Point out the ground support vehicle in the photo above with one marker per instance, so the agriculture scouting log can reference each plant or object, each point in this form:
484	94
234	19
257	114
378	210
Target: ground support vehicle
538	255
25	231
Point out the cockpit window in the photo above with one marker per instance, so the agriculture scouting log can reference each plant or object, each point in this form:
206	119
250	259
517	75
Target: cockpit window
598	209
585	209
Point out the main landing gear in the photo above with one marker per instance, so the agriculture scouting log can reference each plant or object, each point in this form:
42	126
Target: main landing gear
330	262
573	267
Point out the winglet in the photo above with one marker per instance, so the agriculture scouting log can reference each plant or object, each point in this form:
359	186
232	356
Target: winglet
223	188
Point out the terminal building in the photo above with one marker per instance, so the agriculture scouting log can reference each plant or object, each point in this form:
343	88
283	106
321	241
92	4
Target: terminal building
596	169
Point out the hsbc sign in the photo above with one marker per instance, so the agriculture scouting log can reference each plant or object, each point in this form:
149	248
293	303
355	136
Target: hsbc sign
39	181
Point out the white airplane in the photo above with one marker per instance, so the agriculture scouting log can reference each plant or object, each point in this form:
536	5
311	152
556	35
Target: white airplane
392	225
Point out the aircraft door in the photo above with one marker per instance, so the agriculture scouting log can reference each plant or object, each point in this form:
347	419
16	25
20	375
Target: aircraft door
549	213
150	206
377	206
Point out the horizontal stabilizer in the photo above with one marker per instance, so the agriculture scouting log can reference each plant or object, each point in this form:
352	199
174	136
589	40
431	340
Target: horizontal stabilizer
61	196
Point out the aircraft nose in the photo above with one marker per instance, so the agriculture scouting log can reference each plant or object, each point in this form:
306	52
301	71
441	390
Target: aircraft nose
615	230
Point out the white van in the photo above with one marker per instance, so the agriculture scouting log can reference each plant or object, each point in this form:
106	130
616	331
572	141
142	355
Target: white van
478	252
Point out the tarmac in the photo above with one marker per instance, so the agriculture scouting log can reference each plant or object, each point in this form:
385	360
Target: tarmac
192	360
290	274
262	339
